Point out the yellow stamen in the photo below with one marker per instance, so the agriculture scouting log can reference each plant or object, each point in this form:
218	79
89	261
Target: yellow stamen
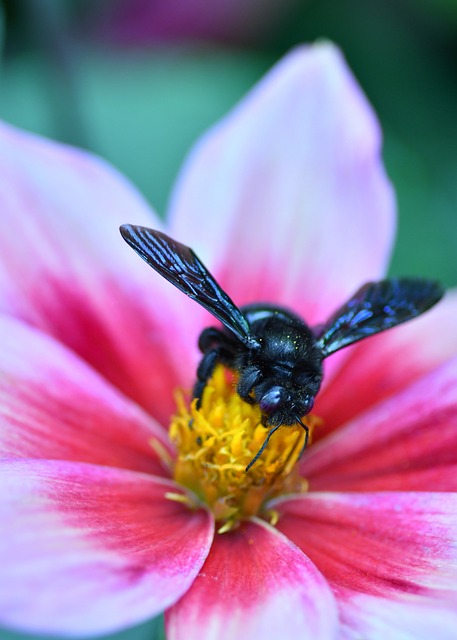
215	444
179	497
162	452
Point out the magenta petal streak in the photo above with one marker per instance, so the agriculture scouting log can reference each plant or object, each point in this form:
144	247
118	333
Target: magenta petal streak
390	545
65	269
402	443
391	559
53	405
91	549
387	363
255	583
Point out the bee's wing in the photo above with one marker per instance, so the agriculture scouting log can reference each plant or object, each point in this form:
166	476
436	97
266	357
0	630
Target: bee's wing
375	307
179	265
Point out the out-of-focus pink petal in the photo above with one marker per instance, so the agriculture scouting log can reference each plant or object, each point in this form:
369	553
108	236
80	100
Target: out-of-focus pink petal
419	618
414	431
254	583
389	552
65	268
287	199
53	405
89	550
382	365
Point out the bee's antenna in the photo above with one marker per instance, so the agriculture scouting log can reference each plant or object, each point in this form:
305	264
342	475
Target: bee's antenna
267	440
305	444
263	447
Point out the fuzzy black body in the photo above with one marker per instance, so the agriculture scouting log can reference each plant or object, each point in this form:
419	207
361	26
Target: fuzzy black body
281	372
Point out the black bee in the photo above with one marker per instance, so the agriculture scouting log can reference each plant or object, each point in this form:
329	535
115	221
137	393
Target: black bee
277	355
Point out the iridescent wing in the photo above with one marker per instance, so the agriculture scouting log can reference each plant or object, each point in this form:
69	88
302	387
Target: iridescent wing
375	307
179	265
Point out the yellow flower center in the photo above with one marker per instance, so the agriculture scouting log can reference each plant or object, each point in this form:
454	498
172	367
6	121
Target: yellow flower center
216	442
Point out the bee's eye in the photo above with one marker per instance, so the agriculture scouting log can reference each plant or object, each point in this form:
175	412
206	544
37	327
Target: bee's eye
272	399
306	405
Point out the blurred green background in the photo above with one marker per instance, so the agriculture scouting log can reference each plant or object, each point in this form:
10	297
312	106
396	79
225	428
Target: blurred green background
137	81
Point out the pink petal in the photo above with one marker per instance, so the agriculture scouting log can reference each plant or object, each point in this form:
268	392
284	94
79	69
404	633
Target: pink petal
385	364
53	405
408	441
254	584
390	553
89	550
65	269
380	618
287	199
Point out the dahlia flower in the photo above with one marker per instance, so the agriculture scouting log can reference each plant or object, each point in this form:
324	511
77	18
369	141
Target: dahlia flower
105	519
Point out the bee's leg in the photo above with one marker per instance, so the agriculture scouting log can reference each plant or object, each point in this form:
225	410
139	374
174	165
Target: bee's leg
204	372
210	339
249	378
217	348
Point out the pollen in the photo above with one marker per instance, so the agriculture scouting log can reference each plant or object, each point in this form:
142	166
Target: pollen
216	442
